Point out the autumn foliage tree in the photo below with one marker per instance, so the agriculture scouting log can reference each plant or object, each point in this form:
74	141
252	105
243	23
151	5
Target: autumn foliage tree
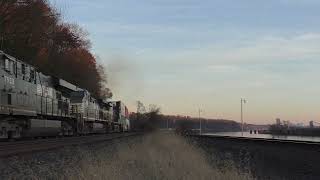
32	31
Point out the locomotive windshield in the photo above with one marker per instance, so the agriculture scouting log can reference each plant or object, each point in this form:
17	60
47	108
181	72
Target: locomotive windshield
79	94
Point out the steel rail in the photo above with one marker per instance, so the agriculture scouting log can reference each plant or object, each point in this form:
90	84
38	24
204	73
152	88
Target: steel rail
21	147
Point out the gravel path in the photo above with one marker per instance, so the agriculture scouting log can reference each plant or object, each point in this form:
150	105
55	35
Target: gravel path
153	156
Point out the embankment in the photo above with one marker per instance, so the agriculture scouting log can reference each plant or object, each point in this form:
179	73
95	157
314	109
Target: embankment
265	159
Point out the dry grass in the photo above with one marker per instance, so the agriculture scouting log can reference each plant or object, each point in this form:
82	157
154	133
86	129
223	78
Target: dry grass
157	156
154	156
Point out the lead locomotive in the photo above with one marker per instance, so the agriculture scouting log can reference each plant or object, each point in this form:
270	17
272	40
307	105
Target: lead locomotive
34	104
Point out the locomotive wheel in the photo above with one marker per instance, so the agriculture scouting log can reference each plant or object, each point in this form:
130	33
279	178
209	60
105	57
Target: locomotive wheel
17	133
10	135
14	134
4	133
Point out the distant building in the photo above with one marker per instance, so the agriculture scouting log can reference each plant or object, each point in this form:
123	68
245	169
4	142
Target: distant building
286	123
278	121
299	125
311	124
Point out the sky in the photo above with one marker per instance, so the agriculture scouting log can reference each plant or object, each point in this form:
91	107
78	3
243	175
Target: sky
183	55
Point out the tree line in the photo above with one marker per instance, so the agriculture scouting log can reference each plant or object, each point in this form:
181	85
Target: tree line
33	32
152	119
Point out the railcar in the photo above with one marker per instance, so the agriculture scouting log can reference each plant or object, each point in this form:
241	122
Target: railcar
121	115
29	102
34	104
93	116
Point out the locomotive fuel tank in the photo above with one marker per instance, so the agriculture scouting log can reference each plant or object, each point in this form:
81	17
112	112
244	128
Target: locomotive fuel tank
98	128
43	127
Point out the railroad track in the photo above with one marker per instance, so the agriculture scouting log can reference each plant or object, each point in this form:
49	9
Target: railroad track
30	146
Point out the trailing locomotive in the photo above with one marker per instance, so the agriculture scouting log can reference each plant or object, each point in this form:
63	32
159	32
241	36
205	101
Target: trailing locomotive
121	115
34	104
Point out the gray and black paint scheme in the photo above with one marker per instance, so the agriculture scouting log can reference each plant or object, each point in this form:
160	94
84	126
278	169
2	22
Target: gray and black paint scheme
34	104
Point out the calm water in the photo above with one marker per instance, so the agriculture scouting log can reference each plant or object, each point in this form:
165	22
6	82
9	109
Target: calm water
267	136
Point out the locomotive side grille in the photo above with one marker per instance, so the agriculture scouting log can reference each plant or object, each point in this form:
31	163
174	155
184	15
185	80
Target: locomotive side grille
77	108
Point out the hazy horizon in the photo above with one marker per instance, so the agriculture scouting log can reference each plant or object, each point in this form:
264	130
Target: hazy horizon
186	55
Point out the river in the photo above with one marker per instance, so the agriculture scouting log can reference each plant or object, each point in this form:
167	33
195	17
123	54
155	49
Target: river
266	136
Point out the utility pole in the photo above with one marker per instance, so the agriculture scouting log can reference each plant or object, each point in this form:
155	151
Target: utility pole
243	101
200	122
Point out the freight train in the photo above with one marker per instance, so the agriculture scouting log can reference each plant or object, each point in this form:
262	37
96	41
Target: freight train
34	104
